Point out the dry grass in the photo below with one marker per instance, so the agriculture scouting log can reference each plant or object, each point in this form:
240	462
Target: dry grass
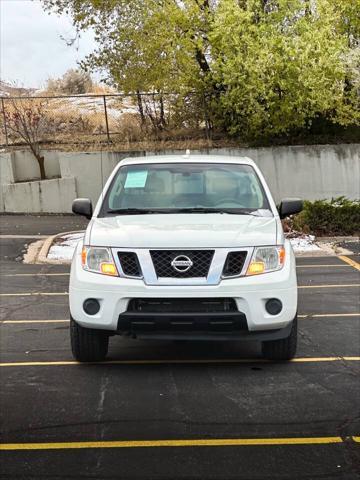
80	120
96	89
101	89
152	145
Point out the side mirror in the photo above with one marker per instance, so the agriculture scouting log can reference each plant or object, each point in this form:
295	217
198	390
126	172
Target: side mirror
290	206
82	206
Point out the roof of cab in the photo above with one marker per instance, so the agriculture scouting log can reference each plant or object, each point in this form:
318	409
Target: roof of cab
187	158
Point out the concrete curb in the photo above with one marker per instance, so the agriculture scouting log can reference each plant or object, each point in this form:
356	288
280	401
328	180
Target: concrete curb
42	256
340	238
332	248
32	253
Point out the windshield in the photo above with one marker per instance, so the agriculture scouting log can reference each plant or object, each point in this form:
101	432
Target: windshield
185	187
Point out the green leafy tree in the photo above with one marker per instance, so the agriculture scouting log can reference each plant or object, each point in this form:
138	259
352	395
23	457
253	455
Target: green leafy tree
279	68
348	25
145	45
348	20
265	67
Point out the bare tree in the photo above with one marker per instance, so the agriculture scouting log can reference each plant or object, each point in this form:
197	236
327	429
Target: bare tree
28	121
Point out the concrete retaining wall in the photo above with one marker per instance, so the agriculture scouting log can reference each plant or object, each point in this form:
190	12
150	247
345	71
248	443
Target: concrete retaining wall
47	196
310	172
91	170
26	168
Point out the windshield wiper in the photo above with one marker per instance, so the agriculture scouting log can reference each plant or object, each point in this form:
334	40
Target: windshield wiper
231	211
134	211
147	211
196	210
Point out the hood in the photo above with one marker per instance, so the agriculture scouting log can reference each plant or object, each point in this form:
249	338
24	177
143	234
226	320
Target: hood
182	231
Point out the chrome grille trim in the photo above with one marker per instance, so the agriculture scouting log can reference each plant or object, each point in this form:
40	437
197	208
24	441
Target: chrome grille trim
215	275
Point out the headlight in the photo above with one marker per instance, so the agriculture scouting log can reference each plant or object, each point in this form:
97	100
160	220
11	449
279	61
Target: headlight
98	260
266	259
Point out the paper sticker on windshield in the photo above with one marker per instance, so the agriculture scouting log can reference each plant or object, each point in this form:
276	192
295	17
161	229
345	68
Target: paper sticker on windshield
136	179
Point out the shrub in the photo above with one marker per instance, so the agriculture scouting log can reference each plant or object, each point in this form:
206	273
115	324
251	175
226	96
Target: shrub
338	216
129	128
73	82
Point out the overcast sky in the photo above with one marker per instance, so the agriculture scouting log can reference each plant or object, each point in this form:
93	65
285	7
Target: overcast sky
31	49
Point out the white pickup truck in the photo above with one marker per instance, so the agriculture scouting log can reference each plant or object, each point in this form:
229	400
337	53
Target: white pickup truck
184	248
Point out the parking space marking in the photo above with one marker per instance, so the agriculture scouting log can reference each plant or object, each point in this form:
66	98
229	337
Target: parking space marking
39	294
305	316
318	266
33	294
67	274
207	442
13	322
177	361
48	274
40	237
329	315
347	285
350	262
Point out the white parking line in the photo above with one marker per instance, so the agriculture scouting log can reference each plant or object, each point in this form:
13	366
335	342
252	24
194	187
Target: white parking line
38	274
34	294
329	315
318	266
67	274
29	294
347	285
23	236
14	322
303	317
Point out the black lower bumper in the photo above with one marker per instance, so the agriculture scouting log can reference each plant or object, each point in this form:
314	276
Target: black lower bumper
193	326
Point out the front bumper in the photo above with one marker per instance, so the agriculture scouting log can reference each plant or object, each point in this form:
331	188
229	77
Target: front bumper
198	326
249	293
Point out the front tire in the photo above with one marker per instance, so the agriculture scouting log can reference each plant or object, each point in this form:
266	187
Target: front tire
87	344
284	349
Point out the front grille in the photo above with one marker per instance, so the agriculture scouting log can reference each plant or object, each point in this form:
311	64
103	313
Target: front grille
182	305
234	264
200	261
129	264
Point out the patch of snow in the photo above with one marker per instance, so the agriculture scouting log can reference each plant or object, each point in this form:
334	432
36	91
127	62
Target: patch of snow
84	105
305	243
64	249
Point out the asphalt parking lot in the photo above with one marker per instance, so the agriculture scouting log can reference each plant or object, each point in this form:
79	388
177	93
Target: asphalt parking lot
162	410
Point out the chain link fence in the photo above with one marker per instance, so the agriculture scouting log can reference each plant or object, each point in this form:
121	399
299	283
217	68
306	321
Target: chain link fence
110	118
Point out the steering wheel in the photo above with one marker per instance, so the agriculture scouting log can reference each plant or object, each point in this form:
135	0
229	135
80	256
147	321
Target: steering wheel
183	201
228	200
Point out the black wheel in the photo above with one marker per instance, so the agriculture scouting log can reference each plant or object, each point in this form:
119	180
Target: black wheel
87	344
284	349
